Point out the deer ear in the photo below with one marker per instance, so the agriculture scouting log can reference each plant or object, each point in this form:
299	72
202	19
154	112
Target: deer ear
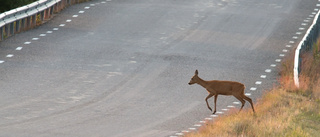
196	73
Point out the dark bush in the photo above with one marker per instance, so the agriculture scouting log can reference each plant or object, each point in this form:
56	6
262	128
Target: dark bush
6	5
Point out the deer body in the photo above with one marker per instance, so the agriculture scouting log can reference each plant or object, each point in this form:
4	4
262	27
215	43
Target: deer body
216	87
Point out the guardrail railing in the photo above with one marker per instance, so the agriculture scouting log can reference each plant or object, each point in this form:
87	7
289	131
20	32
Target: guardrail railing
306	44
31	15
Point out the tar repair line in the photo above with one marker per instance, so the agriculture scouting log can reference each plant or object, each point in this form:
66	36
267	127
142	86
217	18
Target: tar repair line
50	32
278	60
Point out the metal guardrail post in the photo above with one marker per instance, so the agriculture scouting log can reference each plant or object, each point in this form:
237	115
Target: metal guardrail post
1	33
23	24
17	28
26	17
11	28
33	21
6	30
28	23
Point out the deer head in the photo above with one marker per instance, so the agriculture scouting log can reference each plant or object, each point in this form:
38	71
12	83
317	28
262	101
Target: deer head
194	79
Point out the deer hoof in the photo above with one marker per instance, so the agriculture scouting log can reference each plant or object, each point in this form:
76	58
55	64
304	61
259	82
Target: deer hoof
214	112
210	109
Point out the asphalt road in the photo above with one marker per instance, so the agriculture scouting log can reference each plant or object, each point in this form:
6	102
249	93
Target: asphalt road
121	67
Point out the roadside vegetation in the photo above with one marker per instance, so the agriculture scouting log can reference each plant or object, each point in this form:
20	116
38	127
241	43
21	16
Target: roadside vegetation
283	111
6	5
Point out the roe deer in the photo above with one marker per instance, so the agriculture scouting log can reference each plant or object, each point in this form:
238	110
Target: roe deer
216	88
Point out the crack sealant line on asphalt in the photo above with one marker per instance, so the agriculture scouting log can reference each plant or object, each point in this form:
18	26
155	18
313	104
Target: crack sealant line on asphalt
263	76
48	32
36	38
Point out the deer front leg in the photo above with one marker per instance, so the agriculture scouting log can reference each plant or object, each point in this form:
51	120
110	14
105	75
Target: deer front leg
209	96
215	104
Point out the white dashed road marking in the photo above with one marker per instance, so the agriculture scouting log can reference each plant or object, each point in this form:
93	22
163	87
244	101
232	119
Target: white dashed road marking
219	112
192	128
208	118
263	76
268	70
197	125
304	23
19	48
253	88
295	37
236	102
9	55
247	94
258	82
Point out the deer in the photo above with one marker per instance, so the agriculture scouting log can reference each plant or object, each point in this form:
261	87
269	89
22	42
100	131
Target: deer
217	87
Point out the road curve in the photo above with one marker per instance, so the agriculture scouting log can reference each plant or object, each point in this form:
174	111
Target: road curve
120	68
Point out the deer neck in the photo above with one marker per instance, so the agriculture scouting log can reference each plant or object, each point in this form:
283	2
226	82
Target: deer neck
203	83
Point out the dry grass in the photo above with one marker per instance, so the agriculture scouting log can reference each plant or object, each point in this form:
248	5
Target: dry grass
284	111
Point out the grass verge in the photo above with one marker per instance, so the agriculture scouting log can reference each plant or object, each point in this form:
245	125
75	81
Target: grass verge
284	111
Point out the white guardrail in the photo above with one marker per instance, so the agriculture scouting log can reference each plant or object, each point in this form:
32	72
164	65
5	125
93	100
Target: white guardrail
305	44
28	16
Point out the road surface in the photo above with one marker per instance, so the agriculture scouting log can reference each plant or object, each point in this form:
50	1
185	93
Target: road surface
120	68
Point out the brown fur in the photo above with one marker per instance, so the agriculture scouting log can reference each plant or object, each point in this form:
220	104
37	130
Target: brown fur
216	87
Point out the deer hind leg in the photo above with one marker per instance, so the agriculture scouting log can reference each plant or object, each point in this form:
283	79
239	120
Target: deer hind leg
241	100
209	96
249	100
215	103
